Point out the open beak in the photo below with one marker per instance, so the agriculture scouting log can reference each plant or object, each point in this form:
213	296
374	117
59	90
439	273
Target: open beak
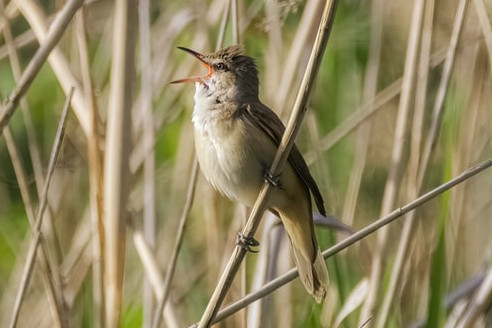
204	63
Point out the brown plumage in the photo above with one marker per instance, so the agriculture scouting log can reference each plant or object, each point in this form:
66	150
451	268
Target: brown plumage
236	138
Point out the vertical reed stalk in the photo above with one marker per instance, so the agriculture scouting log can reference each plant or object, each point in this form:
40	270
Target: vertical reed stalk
283	152
96	179
118	146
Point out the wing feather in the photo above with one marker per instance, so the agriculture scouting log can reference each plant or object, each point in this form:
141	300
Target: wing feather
262	116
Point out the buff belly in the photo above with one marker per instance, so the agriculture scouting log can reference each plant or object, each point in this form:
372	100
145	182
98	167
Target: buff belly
229	164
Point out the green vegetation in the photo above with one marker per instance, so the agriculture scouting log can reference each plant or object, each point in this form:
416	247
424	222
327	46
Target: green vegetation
351	155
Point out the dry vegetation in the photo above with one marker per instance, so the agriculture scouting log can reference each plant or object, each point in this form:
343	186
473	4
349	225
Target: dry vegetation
105	212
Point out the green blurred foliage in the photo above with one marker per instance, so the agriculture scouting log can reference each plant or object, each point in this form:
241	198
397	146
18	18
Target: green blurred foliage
338	93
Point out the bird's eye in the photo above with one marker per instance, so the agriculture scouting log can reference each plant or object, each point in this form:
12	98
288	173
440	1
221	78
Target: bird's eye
220	67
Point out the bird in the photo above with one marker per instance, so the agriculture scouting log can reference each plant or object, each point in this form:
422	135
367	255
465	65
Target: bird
236	138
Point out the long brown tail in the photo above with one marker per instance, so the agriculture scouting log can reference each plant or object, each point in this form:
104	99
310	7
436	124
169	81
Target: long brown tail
308	258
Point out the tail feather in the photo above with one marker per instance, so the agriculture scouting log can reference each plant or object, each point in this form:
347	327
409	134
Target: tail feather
308	258
321	279
313	273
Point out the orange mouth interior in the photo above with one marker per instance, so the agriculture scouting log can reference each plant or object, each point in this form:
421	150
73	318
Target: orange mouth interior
195	78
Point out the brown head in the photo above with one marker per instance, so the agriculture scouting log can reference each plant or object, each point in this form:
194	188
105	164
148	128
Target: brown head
232	76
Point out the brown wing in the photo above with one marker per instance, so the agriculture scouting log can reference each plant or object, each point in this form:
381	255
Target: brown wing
268	121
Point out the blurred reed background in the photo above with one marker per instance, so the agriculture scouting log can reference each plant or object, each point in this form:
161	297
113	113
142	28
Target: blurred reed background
402	104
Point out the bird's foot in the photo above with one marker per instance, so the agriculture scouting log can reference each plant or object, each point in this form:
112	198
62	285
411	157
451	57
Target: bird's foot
273	180
246	243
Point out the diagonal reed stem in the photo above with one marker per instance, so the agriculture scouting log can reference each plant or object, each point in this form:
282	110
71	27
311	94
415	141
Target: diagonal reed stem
54	35
422	168
55	297
34	243
285	146
352	239
189	196
177	246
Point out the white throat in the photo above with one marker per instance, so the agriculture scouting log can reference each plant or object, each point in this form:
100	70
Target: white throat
209	104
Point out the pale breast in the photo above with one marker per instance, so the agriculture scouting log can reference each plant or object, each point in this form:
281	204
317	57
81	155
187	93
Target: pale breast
225	151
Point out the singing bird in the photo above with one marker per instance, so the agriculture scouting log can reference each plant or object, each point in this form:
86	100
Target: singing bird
236	138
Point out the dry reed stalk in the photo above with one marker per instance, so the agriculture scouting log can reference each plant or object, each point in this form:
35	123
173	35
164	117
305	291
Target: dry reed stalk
49	237
438	108
406	97
149	197
161	72
464	153
464	290
36	231
455	296
485	25
283	152
353	301
8	295
153	274
147	258
223	23
236	39
359	116
19	174
215	257
416	178
171	268
25	109
228	239
335	292
437	111
50	274
421	96
355	237
236	35
413	187
118	146
359	164
471	135
397	160
250	13
263	262
211	211
95	159
49	39
281	261
57	60
321	169
305	31
165	32
160	77
20	41
363	113
9	12
54	300
364	130
478	304
211	200
273	53
78	260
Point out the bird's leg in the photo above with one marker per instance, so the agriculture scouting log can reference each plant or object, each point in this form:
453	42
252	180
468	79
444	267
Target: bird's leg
246	243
